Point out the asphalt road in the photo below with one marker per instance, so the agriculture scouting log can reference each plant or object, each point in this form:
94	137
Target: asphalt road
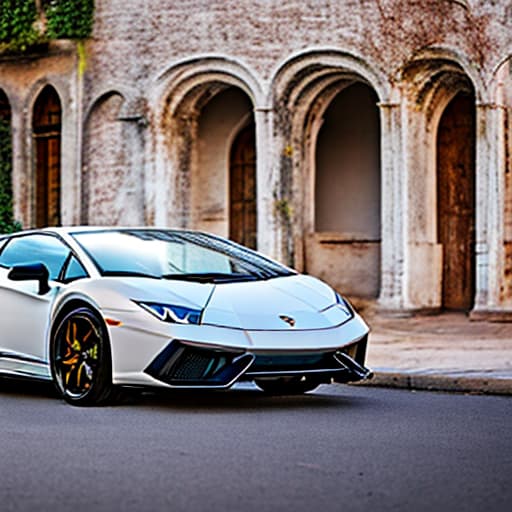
340	448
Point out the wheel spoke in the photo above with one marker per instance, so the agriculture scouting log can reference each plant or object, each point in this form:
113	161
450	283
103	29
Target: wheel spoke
77	354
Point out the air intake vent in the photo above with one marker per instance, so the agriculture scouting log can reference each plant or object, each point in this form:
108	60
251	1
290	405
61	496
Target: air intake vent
183	365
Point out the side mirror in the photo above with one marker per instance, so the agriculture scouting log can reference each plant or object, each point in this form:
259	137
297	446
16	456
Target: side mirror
31	272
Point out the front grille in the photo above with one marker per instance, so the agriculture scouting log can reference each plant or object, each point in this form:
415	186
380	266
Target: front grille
180	364
293	362
192	365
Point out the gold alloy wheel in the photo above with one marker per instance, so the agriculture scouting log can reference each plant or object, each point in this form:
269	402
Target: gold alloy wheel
77	353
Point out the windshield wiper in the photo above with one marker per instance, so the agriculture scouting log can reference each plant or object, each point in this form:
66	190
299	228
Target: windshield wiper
211	277
127	273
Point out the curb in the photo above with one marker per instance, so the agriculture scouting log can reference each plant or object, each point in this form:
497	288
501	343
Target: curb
478	384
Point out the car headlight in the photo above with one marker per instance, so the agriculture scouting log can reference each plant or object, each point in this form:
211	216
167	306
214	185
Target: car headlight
345	305
172	313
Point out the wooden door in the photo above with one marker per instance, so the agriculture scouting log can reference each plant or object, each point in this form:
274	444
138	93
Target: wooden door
47	146
242	189
456	201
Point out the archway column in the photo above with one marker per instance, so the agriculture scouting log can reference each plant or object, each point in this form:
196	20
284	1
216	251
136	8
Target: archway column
393	210
267	164
490	200
21	188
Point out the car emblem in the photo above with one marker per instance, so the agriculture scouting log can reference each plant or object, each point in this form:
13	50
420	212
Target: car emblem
288	319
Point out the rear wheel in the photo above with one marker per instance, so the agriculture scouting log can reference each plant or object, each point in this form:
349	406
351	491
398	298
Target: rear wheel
287	385
80	358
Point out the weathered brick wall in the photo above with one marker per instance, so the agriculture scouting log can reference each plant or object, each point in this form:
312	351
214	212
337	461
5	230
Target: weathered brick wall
134	41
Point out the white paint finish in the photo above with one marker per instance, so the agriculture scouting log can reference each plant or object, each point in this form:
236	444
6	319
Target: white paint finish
321	324
260	304
25	317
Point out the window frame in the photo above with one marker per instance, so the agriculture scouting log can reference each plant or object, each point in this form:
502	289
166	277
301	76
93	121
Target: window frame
4	243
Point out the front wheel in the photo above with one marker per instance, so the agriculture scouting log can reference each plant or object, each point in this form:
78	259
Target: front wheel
80	358
287	385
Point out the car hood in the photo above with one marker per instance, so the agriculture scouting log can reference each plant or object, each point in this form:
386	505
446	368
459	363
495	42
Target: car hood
282	303
292	302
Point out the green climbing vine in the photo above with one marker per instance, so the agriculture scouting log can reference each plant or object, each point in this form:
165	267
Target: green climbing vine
69	19
27	23
7	222
18	25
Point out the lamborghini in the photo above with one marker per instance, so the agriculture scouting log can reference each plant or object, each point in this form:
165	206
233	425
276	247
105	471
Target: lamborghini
96	309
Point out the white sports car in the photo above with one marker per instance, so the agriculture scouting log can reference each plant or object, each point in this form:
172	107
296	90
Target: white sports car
95	309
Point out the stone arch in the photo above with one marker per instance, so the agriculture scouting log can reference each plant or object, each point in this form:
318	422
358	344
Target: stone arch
310	64
112	184
440	140
202	103
133	106
176	82
306	90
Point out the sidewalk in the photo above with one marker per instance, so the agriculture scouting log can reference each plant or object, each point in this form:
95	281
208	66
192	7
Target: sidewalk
445	352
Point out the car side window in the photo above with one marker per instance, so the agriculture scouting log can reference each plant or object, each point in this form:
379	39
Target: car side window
74	270
45	249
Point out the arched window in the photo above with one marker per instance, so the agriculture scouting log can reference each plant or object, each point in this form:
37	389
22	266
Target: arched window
46	131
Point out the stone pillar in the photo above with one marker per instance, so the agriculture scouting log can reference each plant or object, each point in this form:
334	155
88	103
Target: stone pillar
394	205
490	204
424	265
267	174
21	172
71	151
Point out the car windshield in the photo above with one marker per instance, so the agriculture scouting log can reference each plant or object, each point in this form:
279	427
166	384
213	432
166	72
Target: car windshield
182	255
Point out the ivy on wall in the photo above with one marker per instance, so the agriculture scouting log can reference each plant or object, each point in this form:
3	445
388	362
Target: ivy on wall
18	24
26	23
7	222
70	19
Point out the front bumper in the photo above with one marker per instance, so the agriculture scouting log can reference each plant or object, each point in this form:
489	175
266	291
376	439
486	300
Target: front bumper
202	356
185	365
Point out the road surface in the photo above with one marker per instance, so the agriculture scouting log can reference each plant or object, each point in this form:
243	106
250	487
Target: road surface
340	448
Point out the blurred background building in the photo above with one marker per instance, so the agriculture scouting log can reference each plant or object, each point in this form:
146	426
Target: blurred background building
367	142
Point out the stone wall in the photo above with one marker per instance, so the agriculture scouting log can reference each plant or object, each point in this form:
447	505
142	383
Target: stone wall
140	125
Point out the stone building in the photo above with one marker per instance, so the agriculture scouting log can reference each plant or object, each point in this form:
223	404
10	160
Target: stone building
364	141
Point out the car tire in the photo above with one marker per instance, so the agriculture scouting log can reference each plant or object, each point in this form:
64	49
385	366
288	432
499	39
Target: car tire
287	385
80	358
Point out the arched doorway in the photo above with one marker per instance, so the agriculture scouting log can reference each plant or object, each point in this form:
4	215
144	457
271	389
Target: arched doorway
347	225
242	188
207	149
456	201
46	132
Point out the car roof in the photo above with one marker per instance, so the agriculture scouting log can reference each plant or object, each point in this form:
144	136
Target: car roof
88	229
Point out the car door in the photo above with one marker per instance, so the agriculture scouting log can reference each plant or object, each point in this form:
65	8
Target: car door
24	310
